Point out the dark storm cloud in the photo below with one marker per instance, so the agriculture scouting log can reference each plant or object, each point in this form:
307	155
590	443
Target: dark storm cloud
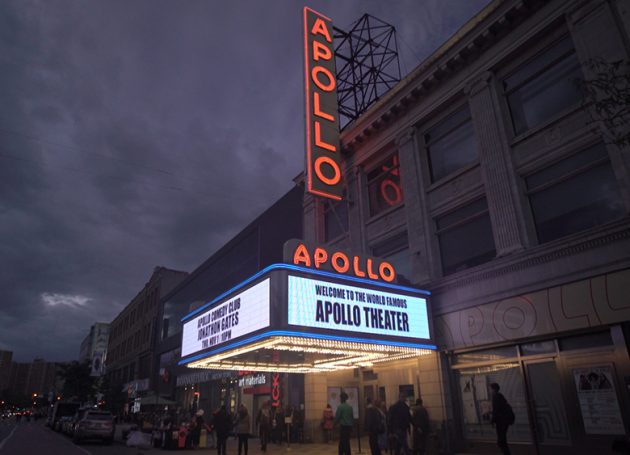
136	134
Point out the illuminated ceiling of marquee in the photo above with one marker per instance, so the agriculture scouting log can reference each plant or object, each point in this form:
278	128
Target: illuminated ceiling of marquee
289	354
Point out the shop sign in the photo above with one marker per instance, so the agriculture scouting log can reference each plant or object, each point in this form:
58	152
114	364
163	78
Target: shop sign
235	316
318	257
322	119
340	307
197	377
253	380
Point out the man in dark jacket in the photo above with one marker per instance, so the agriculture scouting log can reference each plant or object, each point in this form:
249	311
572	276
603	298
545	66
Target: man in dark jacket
399	421
421	427
501	417
374	424
222	425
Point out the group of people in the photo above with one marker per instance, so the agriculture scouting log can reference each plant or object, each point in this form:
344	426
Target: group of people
389	429
219	427
272	424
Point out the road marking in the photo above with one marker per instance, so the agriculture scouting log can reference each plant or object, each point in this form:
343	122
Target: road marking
4	441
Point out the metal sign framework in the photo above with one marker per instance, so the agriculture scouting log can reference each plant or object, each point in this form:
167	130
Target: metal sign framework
367	65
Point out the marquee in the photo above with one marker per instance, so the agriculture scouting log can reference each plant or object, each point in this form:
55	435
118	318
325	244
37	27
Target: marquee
288	318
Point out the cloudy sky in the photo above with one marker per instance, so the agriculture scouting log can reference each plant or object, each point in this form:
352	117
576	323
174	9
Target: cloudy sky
136	134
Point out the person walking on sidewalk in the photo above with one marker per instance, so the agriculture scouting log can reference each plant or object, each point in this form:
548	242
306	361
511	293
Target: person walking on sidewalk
374	424
399	422
223	426
263	420
327	423
502	417
242	428
345	420
421	427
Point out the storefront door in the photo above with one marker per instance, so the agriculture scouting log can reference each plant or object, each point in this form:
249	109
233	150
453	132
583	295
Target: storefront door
550	427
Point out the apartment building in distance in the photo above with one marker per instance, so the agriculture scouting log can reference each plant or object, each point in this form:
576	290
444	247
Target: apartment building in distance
131	343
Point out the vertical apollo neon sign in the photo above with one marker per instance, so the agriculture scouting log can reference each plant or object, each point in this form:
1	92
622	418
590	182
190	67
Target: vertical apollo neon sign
323	161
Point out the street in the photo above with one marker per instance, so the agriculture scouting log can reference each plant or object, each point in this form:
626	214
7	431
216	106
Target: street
34	438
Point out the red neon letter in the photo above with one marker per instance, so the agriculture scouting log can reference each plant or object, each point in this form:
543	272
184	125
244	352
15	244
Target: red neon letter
358	272
344	259
319	27
300	255
330	86
386	270
317	110
321	50
318	170
318	139
370	273
319	257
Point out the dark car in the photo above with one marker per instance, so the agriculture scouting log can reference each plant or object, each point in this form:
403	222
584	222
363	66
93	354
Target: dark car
94	424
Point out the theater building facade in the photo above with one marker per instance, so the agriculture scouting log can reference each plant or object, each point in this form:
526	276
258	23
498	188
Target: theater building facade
484	178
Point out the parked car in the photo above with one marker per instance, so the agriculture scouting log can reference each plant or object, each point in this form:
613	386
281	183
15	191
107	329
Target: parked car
61	423
61	409
94	424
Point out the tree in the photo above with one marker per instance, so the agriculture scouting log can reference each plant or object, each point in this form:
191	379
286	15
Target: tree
113	396
607	92
78	383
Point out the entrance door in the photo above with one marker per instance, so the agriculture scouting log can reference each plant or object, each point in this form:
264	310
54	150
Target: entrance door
549	425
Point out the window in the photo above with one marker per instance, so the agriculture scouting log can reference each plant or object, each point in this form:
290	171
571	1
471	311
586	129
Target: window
396	251
465	237
574	194
544	86
473	384
384	188
335	219
451	144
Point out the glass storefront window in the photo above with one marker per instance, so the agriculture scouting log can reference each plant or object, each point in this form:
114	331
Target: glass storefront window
485	356
474	391
539	347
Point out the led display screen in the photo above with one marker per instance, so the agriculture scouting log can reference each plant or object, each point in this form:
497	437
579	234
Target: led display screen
235	316
334	306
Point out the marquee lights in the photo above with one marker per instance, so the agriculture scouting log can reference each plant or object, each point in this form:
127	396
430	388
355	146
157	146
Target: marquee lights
339	355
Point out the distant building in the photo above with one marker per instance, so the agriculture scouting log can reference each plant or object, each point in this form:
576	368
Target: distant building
94	347
131	344
5	368
255	247
38	377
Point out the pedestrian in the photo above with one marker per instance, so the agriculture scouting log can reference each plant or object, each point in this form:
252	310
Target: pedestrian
298	424
327	423
222	426
345	420
421	427
199	424
502	417
242	428
263	420
383	439
374	424
399	422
